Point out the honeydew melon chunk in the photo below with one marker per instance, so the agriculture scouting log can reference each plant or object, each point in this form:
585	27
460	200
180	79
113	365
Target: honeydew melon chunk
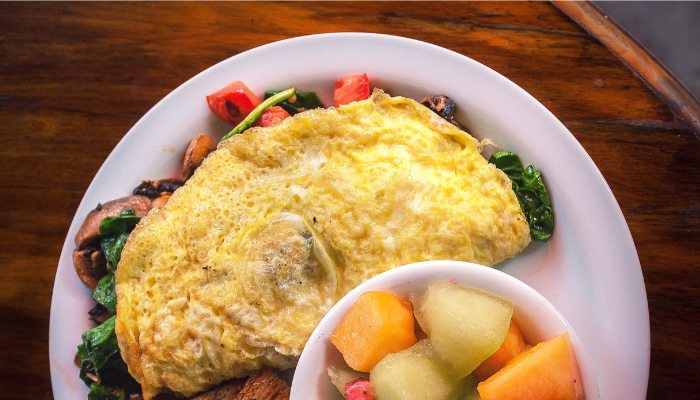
417	374
465	325
341	375
472	394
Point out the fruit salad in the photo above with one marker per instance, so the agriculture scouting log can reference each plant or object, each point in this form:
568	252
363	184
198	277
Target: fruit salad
450	342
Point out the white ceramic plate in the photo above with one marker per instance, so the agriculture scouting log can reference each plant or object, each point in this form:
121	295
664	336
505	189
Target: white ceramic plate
589	269
537	318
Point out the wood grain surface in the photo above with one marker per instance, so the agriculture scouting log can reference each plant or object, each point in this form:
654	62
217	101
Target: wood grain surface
74	77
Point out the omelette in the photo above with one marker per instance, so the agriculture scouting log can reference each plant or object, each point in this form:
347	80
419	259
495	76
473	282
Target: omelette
236	270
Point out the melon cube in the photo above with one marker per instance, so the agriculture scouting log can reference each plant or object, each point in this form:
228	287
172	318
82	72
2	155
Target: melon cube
417	374
472	394
341	376
547	371
378	323
465	325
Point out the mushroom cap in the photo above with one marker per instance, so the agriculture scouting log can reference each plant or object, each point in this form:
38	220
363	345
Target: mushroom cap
90	229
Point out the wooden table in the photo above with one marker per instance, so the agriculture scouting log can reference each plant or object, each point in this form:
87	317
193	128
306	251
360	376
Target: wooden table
74	77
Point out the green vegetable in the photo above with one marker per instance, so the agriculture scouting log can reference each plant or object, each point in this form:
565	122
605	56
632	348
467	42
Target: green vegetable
112	247
304	101
114	232
102	392
100	362
101	365
531	192
125	222
508	163
105	292
257	112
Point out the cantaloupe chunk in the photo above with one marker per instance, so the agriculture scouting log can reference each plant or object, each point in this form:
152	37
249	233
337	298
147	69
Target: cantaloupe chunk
547	371
512	345
379	323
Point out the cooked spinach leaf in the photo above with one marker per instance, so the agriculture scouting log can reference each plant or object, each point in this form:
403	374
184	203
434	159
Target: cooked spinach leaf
105	292
100	361
125	222
114	231
531	192
101	365
509	163
112	247
102	392
304	101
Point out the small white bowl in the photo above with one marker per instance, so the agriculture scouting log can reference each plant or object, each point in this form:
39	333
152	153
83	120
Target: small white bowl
537	318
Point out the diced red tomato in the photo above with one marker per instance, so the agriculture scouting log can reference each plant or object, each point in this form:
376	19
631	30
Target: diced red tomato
272	116
233	103
351	88
359	389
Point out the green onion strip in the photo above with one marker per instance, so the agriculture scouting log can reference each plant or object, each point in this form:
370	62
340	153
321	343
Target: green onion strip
257	112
